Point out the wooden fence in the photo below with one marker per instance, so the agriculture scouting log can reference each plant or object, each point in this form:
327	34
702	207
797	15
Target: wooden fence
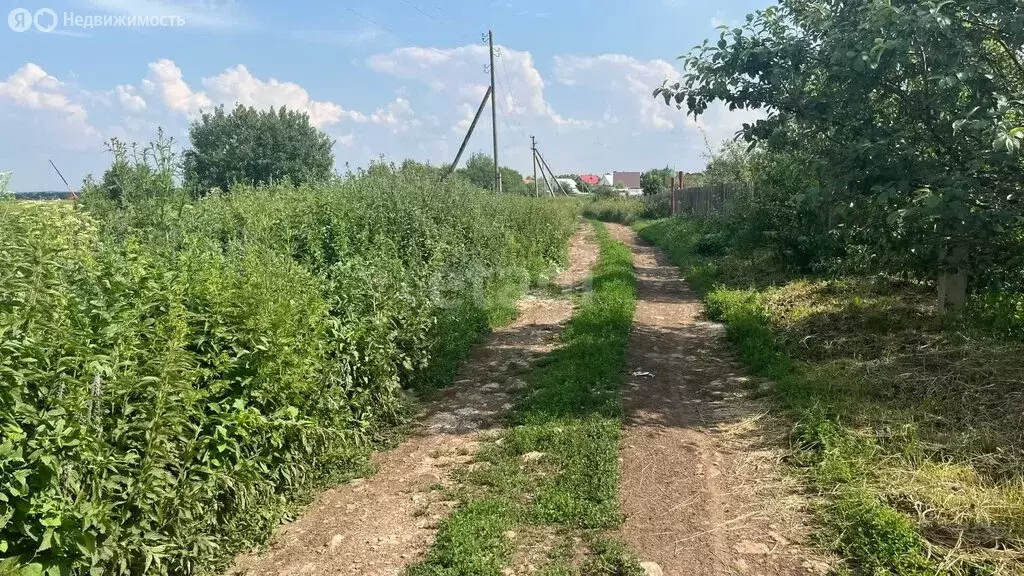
704	201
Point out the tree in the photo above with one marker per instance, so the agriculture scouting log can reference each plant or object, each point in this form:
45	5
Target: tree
255	147
655	181
512	182
912	113
480	171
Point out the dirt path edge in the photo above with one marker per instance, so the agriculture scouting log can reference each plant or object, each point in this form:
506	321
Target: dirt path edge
702	485
381	524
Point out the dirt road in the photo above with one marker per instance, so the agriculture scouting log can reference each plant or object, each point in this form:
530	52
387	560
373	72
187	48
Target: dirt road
701	487
379	525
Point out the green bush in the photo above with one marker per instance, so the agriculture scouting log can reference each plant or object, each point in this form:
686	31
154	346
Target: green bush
175	374
712	244
603	191
657	206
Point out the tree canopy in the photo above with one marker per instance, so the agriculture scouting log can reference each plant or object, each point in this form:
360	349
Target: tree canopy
655	181
480	171
912	112
255	147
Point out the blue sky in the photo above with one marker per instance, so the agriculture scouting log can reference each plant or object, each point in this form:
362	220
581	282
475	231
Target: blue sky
398	78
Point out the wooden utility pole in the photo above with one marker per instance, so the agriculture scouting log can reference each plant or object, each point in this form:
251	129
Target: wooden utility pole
465	140
494	115
536	185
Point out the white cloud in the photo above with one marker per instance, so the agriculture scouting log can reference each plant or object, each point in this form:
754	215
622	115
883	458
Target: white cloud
33	88
628	84
238	85
166	79
460	72
129	98
627	81
466	112
397	115
616	123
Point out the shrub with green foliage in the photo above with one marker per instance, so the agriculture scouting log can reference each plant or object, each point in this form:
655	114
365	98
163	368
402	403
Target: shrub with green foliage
175	374
779	206
603	191
254	147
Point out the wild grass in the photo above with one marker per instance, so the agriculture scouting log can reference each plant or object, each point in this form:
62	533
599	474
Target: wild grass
621	210
907	423
627	210
556	464
176	374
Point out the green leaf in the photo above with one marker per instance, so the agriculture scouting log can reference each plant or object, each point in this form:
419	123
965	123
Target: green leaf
46	541
31	570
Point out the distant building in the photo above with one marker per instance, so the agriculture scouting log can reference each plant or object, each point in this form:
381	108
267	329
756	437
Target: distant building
569	184
630	181
590	179
627	180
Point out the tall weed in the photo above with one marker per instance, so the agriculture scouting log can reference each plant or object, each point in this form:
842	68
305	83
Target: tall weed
175	373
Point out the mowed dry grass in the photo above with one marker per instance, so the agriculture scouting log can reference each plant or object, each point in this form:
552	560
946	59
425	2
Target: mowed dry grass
937	412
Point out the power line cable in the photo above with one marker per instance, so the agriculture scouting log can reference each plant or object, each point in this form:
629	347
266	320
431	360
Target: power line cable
424	13
372	21
515	123
511	90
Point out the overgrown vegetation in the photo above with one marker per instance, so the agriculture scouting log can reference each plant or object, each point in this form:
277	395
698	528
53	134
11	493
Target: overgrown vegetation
176	373
908	420
627	210
556	465
656	182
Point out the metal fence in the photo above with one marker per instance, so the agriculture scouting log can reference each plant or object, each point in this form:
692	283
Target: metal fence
704	201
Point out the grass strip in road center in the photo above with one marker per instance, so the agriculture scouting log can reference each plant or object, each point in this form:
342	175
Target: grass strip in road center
554	470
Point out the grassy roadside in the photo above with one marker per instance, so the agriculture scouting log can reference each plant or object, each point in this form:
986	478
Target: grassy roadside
550	480
908	424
